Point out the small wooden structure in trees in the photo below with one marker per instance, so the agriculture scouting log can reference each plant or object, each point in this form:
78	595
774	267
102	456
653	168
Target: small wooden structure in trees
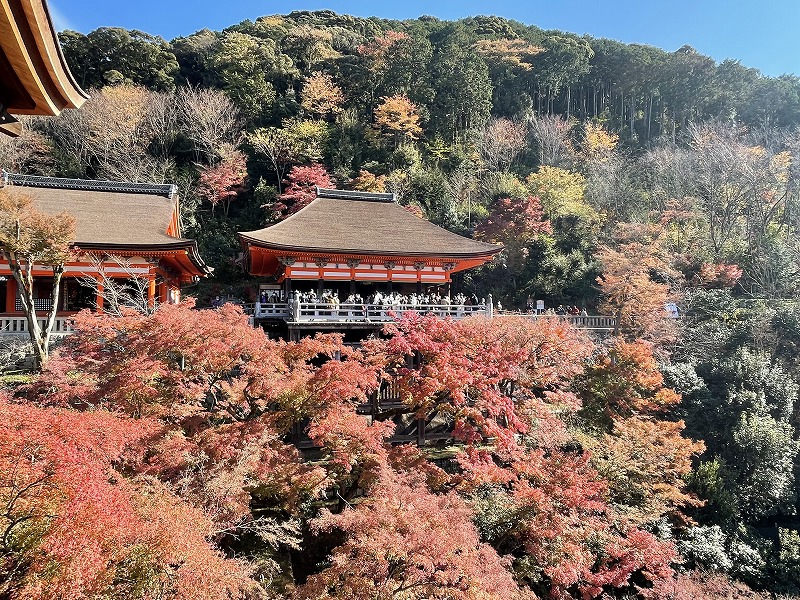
124	232
34	77
350	242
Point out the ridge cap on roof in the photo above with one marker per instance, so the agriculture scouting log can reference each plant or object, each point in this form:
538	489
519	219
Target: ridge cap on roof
354	195
168	190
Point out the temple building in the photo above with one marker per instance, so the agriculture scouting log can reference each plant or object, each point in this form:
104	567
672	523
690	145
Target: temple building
123	232
359	246
34	77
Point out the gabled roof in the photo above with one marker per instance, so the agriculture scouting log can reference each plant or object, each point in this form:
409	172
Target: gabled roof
341	221
34	76
111	215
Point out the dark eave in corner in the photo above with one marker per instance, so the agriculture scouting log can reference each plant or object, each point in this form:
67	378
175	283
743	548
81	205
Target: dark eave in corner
34	76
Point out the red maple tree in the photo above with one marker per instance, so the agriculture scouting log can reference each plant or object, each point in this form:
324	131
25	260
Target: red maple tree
515	223
716	276
404	541
76	526
504	385
205	406
300	187
222	182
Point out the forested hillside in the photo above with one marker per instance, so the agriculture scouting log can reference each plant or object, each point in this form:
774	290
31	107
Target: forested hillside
451	116
618	177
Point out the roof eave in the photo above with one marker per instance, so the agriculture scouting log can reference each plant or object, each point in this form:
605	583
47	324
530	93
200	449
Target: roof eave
31	43
157	246
490	250
190	246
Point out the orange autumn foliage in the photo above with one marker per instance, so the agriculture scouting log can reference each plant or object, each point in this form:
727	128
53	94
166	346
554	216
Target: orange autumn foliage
397	116
404	541
368	182
623	380
212	403
645	462
75	526
321	96
631	294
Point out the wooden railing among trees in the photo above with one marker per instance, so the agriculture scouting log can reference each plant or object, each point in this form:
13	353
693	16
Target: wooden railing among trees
295	311
310	312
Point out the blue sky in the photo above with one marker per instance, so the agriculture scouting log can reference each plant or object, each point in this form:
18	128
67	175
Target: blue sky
762	34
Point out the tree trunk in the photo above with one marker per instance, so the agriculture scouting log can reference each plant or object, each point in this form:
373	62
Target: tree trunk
569	100
40	337
280	174
632	113
58	272
617	322
674	124
24	278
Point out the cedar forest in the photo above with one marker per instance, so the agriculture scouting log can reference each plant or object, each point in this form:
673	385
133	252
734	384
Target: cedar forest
151	457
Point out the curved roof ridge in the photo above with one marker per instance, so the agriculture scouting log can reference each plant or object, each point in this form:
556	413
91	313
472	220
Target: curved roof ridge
354	195
167	190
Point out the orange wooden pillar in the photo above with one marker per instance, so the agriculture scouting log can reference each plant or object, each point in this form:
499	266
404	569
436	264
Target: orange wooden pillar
99	297
11	294
163	293
151	292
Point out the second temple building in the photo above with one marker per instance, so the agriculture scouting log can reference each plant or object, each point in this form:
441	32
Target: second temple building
350	260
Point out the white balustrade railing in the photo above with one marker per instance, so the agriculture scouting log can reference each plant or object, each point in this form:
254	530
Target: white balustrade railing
599	322
18	326
300	312
269	310
325	312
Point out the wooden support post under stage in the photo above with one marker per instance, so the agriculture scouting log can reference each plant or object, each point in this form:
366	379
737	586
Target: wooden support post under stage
11	294
163	293
151	293
99	297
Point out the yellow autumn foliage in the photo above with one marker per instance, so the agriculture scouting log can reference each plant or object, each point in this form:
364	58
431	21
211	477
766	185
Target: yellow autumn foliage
598	143
562	193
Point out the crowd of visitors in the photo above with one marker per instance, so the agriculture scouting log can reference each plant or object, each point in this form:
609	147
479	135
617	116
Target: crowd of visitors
568	310
539	309
393	300
269	298
398	301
